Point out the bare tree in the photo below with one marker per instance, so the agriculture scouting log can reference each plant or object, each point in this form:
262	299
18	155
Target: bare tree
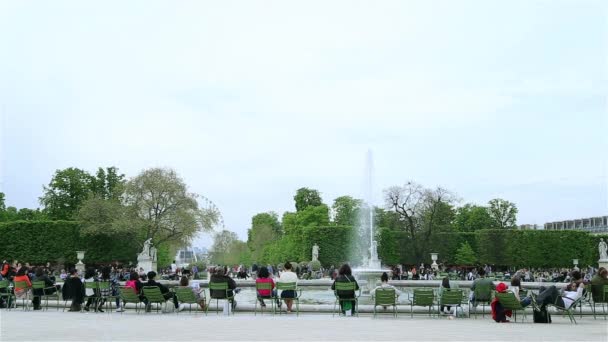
422	212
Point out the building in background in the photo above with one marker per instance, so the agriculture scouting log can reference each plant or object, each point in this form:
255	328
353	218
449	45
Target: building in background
594	225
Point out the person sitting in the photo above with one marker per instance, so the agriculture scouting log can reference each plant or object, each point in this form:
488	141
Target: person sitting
163	289
345	276
445	284
515	287
482	281
73	289
499	314
264	277
49	287
384	285
184	282
551	295
134	283
288	276
22	276
92	294
601	277
112	291
219	276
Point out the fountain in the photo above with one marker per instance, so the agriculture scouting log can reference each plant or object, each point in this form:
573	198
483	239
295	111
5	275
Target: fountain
371	268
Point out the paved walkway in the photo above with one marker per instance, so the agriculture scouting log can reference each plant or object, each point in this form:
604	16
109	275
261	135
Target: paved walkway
42	325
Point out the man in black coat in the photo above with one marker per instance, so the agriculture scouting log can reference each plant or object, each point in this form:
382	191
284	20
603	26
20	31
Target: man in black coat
163	289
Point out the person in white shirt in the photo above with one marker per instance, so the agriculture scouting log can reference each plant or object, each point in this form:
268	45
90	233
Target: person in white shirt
287	276
572	292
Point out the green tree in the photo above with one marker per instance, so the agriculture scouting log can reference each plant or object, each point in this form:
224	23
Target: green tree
346	210
470	218
265	228
306	197
465	255
503	213
104	216
227	249
159	207
68	189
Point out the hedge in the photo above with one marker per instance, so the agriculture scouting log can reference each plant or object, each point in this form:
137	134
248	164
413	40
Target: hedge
517	248
38	242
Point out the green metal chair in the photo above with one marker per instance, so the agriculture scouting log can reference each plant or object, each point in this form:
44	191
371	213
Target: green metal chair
105	294
93	285
599	295
186	296
224	291
25	298
7	292
153	295
346	286
422	297
290	287
128	295
510	302
47	292
267	287
385	297
570	310
451	297
483	296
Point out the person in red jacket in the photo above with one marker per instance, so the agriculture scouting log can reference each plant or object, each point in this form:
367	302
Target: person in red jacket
21	292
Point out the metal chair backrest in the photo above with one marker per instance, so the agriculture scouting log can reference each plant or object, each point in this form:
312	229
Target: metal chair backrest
38	285
219	290
22	285
263	286
185	295
451	297
385	297
153	294
508	300
4	284
91	285
290	286
346	286
423	297
128	295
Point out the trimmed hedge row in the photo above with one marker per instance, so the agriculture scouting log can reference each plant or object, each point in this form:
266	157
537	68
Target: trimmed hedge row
37	242
518	248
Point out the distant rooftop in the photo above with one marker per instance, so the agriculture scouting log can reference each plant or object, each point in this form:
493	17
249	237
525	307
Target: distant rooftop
595	225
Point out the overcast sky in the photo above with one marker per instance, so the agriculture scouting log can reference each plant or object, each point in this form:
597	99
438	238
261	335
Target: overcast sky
250	100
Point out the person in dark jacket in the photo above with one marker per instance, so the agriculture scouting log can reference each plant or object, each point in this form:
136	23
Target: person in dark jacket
163	289
220	277
73	289
345	276
49	287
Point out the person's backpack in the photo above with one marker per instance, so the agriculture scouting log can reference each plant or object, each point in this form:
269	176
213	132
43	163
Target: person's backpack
542	315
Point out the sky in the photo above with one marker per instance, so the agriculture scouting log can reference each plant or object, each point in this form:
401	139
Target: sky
250	100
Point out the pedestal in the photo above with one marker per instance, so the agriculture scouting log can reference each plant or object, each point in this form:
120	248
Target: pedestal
603	263
147	264
80	268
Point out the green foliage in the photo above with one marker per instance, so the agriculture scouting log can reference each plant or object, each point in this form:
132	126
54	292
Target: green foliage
465	255
160	207
503	213
69	188
334	243
315	265
306	197
57	241
499	247
227	249
265	228
346	210
470	218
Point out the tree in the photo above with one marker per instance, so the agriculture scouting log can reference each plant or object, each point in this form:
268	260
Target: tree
104	217
68	189
424	212
71	187
346	210
227	249
503	213
159	206
306	197
470	218
265	228
465	255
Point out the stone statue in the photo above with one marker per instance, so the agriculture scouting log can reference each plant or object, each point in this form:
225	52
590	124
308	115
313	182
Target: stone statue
147	244
153	253
603	250
315	252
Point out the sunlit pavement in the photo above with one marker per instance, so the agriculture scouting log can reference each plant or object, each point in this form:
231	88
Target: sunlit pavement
20	325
